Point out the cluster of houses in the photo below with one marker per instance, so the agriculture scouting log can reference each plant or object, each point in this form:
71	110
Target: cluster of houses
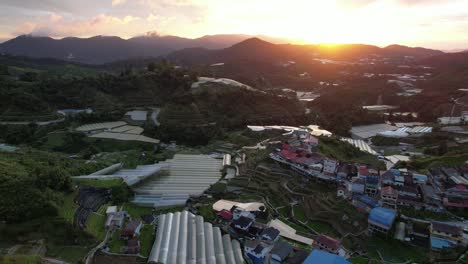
263	243
451	183
306	162
117	221
383	194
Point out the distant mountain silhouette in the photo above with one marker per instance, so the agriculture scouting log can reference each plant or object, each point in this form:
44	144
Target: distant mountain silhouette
409	51
207	49
255	49
103	49
447	60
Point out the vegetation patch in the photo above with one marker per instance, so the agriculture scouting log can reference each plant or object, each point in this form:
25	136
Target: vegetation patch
21	259
147	235
334	148
68	207
72	254
136	211
95	223
395	251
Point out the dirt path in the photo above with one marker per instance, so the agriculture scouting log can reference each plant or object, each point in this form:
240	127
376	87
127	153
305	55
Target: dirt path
55	261
90	256
40	123
13	249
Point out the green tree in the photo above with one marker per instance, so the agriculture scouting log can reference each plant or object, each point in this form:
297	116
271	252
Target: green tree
121	194
151	66
4	70
21	199
54	178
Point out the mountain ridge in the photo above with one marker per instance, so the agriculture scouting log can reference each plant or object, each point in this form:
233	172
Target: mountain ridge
107	49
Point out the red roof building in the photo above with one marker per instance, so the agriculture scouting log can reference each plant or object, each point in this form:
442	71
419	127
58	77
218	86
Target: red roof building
327	243
225	214
132	229
133	246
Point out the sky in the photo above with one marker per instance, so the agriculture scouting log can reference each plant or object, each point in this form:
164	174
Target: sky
441	24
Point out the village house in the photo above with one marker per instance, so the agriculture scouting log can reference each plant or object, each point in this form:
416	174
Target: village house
364	203
388	177
280	252
133	246
381	220
456	197
131	229
372	185
256	251
322	257
356	185
420	233
446	231
431	199
114	218
225	214
327	243
242	223
329	167
270	234
388	197
365	171
297	257
445	235
346	171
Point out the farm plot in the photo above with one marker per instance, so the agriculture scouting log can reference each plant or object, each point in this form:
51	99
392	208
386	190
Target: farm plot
89	200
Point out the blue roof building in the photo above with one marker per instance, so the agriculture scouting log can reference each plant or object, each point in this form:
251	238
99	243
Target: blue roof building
365	202
438	243
322	257
381	220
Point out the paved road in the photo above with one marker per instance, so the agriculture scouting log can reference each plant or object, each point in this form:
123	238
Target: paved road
154	116
41	123
55	261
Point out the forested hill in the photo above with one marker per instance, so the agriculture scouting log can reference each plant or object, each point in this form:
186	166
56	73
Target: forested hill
163	85
105	49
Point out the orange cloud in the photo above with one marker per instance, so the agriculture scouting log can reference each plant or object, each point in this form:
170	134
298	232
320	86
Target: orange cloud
118	2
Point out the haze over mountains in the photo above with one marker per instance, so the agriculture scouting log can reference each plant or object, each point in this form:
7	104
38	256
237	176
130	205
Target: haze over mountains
207	49
104	49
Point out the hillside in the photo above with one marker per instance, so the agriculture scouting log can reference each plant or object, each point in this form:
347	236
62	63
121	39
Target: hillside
258	50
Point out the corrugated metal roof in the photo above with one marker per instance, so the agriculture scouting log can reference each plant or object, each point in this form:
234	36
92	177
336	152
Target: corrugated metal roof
185	238
322	257
188	175
382	216
360	144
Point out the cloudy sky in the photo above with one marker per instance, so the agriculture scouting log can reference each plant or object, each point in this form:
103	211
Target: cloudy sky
439	24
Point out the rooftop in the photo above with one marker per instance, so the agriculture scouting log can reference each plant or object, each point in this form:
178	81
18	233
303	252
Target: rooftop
329	242
282	249
227	205
242	221
446	228
388	190
185	238
322	257
440	243
382	216
369	131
